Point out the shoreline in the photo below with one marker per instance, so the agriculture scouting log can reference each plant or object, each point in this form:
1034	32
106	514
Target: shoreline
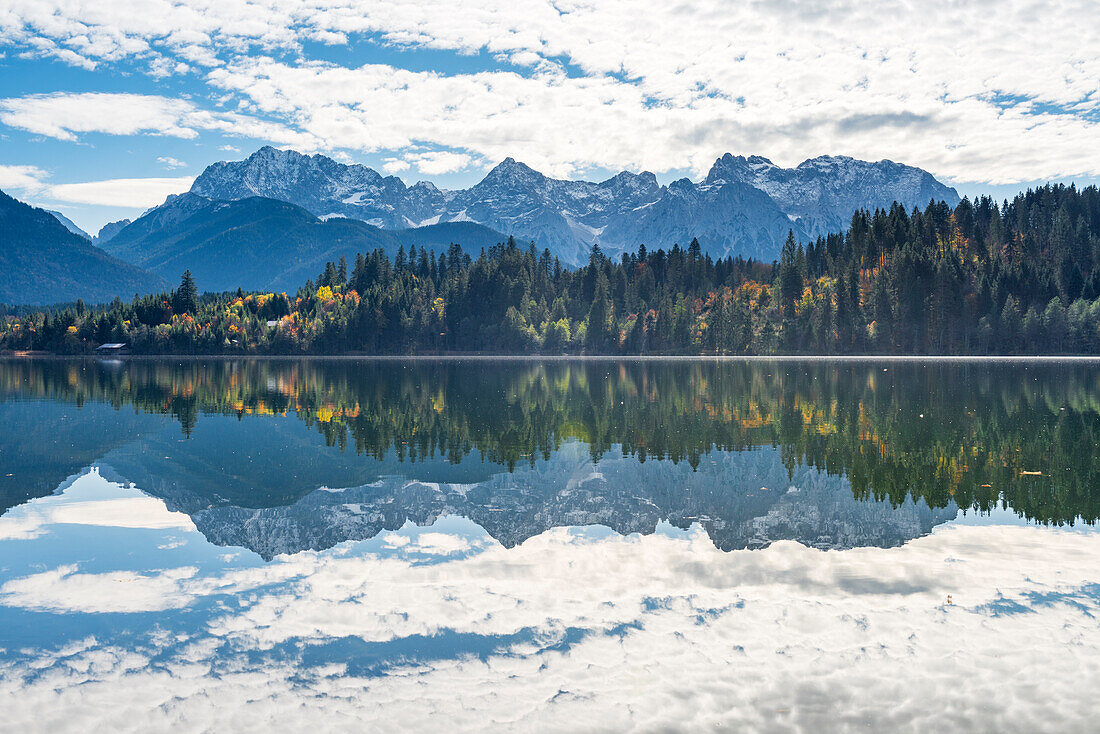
558	358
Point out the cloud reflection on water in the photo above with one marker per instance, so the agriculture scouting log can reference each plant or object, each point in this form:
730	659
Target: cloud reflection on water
571	629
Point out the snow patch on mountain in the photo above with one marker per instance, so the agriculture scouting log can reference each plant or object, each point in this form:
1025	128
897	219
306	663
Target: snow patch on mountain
745	206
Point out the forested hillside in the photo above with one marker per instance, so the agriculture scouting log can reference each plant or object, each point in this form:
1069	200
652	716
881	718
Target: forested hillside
982	277
42	262
257	243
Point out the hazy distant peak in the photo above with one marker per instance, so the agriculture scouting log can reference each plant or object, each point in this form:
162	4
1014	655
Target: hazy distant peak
69	224
626	178
108	231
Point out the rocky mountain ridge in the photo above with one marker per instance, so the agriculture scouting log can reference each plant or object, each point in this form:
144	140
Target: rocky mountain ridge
744	206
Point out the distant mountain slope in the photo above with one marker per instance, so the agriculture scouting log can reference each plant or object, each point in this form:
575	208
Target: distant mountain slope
109	230
734	218
744	206
69	224
41	262
822	193
259	243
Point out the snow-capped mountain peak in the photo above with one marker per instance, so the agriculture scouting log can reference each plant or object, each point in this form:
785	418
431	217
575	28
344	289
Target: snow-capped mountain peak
510	172
745	205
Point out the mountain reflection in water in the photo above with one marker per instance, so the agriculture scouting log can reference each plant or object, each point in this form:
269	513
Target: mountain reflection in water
821	452
548	545
744	499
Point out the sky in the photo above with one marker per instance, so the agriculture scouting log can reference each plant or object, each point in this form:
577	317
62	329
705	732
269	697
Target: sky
106	108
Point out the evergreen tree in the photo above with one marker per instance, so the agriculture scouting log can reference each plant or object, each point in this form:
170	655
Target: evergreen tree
599	333
186	297
883	312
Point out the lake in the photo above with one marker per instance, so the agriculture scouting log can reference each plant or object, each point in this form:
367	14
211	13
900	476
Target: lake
556	545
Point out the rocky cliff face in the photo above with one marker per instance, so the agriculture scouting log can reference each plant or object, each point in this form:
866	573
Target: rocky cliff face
742	499
109	230
316	183
822	193
745	206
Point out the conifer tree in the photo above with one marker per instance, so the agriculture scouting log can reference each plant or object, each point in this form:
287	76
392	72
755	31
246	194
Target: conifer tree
186	297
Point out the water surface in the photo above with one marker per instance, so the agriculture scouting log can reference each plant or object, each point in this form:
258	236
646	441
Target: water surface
549	545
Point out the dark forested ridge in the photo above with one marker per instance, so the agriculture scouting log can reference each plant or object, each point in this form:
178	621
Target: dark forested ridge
258	243
43	262
979	278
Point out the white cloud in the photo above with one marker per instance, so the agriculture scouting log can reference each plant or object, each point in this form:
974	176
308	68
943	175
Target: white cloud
80	504
499	115
137	511
162	66
560	124
66	116
20	528
31	184
21	177
135	193
169	162
563	632
114	592
395	165
650	633
652	85
433	163
441	543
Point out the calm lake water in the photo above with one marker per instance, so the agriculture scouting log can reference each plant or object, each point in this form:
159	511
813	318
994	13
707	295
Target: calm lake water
549	546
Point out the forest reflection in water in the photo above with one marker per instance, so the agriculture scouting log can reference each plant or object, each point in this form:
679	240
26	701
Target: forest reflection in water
976	435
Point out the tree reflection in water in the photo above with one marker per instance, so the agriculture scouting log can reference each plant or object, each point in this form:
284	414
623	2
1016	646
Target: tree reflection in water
974	434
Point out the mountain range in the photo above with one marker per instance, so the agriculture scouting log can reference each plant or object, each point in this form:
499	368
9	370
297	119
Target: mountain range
106	232
744	206
290	492
254	243
274	219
